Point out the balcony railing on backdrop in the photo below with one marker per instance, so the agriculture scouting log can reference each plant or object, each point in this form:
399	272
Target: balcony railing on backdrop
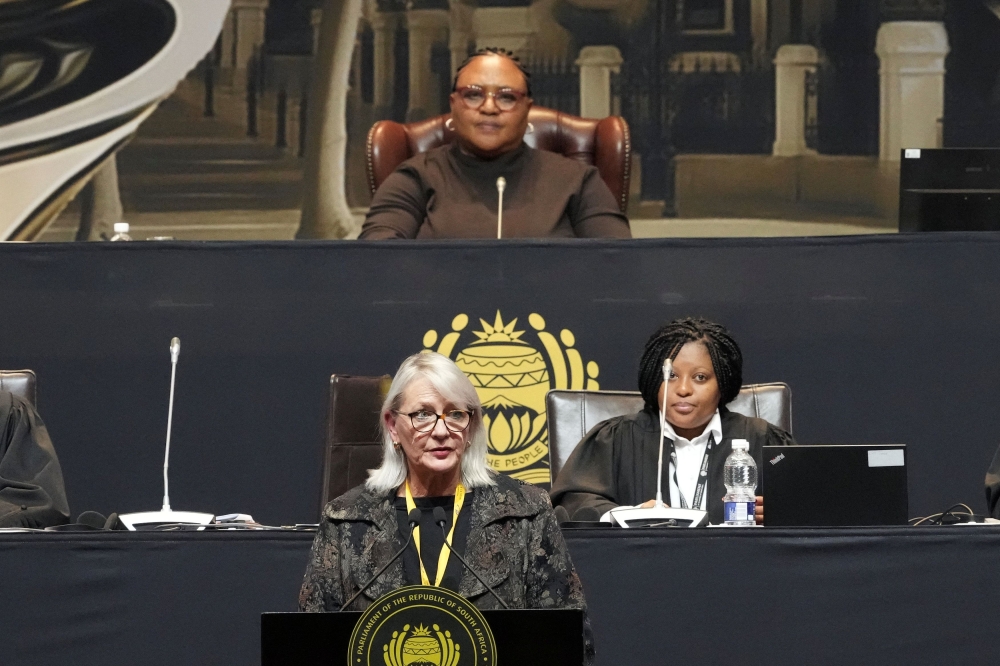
693	103
555	83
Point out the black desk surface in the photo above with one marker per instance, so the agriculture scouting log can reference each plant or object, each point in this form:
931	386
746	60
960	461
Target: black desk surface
775	596
854	325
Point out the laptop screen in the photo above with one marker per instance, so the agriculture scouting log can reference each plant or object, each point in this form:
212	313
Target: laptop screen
834	485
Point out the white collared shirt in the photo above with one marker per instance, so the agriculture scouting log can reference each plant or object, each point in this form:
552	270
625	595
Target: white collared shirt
689	456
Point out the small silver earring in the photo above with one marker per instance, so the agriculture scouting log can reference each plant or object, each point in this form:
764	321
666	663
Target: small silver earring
531	128
448	125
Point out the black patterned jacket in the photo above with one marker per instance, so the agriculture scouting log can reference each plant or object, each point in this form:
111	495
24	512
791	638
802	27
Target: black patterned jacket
514	543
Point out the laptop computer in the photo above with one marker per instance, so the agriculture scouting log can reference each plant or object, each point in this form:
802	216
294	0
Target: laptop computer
834	485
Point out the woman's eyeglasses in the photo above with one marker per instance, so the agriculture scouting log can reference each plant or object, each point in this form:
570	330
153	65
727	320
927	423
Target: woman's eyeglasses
474	97
424	421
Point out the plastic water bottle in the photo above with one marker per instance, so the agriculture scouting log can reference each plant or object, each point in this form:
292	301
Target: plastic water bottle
121	232
740	477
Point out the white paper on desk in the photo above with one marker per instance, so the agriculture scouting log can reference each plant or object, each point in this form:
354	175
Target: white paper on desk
886	458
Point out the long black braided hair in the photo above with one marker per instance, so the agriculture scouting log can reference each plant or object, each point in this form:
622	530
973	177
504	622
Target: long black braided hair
503	53
727	359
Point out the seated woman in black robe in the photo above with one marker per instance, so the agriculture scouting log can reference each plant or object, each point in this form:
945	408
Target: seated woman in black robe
616	463
32	493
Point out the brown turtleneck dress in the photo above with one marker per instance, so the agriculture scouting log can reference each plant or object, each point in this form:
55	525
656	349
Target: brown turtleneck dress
445	193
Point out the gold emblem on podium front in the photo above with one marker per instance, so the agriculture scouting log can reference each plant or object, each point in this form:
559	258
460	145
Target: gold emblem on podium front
422	626
512	371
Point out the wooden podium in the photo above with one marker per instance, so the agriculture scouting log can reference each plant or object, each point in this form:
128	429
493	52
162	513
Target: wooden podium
523	637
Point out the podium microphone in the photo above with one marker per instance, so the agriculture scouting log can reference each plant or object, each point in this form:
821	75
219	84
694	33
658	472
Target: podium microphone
414	519
501	186
166	515
668	368
441	519
175	353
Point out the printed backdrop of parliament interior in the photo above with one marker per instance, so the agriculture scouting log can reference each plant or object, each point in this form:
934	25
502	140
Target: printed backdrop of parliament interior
883	339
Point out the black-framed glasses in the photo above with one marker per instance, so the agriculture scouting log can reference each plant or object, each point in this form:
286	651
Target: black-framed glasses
424	420
505	98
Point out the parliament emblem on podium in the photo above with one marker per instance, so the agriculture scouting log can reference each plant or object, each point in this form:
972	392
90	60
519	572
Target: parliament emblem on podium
422	626
512	371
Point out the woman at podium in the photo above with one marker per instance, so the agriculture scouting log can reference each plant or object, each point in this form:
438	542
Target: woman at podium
453	191
616	463
435	457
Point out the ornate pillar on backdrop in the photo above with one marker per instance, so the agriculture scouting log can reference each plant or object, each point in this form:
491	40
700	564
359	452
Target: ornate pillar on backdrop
242	35
912	55
596	64
384	26
426	27
459	33
227	50
325	211
316	19
792	64
911	45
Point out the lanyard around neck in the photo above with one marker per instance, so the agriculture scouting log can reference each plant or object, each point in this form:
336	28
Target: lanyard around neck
699	489
445	550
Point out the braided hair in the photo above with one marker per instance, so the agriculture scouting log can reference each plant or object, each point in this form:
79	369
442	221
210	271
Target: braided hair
727	359
498	51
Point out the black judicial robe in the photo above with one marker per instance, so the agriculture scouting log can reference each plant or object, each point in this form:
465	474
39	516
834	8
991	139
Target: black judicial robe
32	493
993	486
616	462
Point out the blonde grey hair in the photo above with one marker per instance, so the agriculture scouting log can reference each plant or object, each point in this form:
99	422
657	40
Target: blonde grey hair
452	384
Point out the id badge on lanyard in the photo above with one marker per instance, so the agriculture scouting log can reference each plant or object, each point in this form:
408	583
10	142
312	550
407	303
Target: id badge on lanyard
699	489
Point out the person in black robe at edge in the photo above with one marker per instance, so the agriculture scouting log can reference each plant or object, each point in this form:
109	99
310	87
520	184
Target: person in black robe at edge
32	493
616	462
451	191
993	486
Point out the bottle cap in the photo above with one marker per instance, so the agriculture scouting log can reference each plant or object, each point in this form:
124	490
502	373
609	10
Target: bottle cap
741	444
121	227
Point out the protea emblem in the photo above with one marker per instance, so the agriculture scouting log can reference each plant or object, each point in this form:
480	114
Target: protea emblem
423	647
512	377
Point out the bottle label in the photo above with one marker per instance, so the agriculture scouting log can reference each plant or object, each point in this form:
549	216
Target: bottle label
739	512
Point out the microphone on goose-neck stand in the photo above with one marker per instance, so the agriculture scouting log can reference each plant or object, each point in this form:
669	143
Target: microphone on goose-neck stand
668	368
413	518
501	186
441	519
166	515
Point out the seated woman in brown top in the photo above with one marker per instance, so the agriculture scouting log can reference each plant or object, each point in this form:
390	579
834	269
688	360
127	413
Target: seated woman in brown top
451	191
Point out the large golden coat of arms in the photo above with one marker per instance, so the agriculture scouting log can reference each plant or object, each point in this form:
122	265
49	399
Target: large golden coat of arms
512	374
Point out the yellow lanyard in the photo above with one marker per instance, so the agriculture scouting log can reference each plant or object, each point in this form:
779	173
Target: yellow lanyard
445	551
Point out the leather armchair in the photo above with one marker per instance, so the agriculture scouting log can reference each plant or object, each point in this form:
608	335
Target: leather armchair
21	383
353	440
572	414
605	143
